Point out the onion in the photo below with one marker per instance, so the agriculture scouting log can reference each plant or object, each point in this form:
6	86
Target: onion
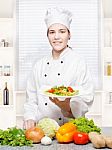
34	134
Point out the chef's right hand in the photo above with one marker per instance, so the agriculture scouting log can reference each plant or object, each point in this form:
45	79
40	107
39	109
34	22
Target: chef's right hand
29	124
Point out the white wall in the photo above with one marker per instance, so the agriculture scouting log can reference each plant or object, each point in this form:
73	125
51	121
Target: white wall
107	6
6	8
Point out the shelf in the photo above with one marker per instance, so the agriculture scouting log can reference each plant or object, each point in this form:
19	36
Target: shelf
6	77
6	19
108	78
7	58
20	92
99	91
107	54
6	106
6	48
108	19
7	55
11	76
107	48
19	115
107	83
108	105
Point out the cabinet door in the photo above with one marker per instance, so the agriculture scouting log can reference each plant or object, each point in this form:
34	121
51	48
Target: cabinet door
7	117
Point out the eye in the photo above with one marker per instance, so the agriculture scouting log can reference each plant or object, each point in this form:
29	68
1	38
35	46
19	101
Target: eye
51	32
62	31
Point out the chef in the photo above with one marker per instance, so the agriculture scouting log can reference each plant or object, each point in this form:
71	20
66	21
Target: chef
62	67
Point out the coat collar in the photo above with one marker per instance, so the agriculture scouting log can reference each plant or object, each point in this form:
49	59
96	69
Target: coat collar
63	54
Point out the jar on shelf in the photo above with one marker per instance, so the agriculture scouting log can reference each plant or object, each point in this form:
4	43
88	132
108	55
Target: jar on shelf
109	69
7	70
6	44
110	97
2	43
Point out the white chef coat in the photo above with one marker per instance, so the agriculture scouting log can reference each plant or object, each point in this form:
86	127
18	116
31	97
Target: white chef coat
69	70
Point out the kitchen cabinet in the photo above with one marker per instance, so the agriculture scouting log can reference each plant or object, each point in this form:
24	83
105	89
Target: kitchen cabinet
7	69
107	66
102	107
95	111
20	100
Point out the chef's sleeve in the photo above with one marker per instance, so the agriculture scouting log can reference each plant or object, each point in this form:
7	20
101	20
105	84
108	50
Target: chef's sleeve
82	103
31	105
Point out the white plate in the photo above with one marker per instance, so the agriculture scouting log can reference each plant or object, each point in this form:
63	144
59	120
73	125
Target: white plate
43	92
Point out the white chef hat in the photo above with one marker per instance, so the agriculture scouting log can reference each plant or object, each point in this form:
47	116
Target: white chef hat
58	15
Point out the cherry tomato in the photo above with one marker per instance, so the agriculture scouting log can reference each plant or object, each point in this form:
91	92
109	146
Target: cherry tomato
81	138
70	89
51	91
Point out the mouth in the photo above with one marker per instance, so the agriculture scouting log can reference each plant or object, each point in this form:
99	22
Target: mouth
57	42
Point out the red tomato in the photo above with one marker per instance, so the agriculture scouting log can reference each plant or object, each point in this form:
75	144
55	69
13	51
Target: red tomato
51	91
81	138
70	89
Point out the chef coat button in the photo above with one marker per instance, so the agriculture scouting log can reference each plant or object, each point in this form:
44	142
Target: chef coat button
48	63
59	118
58	74
45	75
45	103
61	62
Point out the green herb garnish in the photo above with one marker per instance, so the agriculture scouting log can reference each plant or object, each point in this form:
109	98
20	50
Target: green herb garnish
14	137
85	125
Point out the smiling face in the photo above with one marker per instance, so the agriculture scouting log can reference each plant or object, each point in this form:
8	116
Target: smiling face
58	36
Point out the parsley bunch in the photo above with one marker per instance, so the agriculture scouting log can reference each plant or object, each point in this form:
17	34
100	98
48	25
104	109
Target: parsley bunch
14	137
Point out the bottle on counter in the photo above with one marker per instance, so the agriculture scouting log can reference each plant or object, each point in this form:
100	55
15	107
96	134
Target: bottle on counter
6	95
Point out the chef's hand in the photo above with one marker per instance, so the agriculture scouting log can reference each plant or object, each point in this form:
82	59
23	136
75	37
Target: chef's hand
29	124
63	105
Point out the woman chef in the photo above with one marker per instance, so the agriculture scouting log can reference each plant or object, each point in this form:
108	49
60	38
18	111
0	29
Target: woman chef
62	67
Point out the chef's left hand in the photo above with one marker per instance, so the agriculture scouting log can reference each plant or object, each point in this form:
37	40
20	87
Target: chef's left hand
64	105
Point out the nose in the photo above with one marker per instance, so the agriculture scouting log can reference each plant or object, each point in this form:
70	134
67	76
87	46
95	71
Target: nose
57	36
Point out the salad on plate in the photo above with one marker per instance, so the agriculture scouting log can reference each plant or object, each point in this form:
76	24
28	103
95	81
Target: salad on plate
62	91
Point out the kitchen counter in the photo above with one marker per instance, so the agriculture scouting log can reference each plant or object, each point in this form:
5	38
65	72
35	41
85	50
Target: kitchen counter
56	146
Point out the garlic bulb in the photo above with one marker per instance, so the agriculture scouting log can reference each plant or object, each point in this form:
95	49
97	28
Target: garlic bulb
46	140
